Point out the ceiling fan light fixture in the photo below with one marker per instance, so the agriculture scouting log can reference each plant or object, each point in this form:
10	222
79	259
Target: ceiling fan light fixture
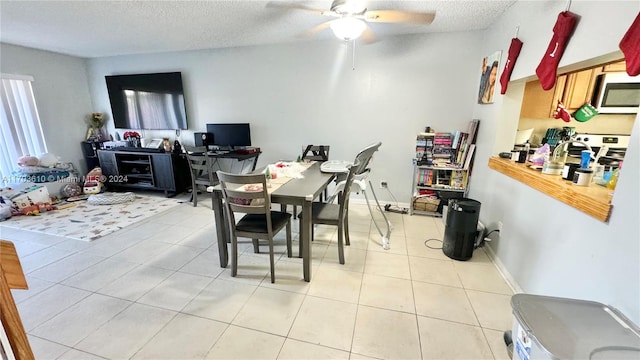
348	28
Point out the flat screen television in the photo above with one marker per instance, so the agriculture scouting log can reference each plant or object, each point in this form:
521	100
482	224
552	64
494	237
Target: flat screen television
230	135
147	101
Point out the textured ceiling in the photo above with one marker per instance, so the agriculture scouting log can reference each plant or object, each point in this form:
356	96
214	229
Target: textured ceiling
107	28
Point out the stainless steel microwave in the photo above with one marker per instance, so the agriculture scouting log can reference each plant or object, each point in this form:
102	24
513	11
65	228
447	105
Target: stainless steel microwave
617	93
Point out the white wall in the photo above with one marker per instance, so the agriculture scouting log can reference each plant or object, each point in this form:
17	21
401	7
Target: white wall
548	247
304	93
307	93
62	97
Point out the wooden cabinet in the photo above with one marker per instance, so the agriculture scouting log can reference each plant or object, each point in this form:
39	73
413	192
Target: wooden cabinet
573	90
577	89
536	103
620	66
140	170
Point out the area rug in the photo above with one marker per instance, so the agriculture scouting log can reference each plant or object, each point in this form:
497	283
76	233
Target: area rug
87	222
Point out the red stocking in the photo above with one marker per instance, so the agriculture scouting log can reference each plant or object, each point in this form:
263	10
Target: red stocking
562	31
514	52
630	46
561	113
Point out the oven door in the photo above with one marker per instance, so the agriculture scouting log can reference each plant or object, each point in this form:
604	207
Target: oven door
611	160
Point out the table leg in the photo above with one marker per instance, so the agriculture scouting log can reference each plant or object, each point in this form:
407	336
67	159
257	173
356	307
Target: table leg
222	232
305	239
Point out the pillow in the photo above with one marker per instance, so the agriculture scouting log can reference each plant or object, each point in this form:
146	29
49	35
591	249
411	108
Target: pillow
27	160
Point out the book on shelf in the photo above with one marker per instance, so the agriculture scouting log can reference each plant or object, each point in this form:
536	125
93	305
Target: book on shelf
473	130
469	156
458	179
425	177
443	139
456	140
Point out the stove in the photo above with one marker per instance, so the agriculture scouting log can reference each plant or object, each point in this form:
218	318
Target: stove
616	145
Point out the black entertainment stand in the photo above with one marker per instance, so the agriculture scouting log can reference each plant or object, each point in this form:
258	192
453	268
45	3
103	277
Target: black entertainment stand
145	169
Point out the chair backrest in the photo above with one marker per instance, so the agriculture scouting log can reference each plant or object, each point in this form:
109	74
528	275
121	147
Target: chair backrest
364	157
245	193
343	196
316	153
201	165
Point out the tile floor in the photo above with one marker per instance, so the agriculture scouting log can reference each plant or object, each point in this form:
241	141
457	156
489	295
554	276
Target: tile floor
156	291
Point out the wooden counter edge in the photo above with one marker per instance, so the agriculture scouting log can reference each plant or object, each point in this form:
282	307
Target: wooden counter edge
593	200
11	276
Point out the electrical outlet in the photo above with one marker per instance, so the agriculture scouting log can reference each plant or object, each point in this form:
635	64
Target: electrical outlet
500	226
383	184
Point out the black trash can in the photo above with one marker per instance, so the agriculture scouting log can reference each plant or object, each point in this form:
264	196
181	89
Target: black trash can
460	229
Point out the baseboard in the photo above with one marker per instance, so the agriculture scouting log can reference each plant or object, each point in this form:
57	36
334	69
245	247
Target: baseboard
362	201
511	282
503	270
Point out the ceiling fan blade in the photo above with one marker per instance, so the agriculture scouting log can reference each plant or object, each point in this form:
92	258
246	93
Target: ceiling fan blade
292	6
368	36
316	29
398	16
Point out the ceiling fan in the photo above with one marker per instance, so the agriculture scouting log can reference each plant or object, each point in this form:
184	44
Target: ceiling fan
353	16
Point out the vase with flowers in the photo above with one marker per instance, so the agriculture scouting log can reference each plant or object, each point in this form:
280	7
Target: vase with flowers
132	138
96	122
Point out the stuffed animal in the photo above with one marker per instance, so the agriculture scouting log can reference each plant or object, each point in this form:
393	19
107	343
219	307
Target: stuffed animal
93	182
70	190
5	208
28	160
48	160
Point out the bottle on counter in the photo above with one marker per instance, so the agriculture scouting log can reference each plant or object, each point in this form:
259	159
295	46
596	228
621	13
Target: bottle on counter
613	181
267	175
527	147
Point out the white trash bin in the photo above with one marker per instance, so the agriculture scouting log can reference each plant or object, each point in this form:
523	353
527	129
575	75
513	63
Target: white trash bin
558	328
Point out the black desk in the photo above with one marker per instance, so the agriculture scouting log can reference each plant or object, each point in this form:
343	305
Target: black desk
245	159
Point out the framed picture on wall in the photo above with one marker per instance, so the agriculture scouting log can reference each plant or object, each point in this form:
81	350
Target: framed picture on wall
488	78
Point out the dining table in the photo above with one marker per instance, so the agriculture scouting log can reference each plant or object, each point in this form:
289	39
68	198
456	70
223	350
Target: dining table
300	191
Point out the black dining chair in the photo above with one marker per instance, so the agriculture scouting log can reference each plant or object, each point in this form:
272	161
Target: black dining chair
248	194
335	214
314	153
202	173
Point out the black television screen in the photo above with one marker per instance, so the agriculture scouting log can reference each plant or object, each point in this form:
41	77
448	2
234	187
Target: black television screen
147	101
231	135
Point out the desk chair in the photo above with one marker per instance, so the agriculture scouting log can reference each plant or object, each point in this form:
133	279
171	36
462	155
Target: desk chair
314	153
202	173
248	194
335	214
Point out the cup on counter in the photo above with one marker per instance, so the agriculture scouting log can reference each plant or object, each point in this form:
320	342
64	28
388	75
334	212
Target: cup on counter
598	173
585	158
552	167
569	170
583	177
522	156
515	155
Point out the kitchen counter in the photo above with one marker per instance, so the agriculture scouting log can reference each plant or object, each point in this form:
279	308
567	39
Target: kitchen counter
594	200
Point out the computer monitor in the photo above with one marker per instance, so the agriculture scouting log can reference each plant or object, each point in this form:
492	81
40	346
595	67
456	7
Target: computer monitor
232	136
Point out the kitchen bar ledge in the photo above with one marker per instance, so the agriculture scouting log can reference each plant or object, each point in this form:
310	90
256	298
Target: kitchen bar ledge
594	200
